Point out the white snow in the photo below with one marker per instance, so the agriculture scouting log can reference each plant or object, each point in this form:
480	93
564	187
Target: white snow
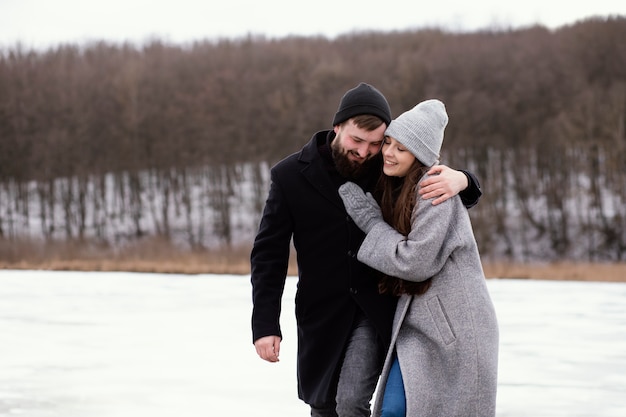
77	344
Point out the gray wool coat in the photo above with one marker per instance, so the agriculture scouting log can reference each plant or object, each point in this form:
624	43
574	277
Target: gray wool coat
446	339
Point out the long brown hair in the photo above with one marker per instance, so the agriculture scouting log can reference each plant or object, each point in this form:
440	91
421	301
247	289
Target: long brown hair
398	197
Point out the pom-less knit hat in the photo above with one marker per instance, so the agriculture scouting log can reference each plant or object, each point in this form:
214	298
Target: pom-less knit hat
420	130
362	99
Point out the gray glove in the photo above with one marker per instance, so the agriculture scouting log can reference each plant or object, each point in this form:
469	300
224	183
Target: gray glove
362	207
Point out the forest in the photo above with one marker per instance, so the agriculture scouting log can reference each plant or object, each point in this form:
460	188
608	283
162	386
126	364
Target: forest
118	143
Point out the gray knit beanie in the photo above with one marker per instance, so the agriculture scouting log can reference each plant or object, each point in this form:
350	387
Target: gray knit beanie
420	130
362	99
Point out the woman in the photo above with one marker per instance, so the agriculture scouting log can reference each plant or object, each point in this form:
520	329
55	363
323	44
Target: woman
443	357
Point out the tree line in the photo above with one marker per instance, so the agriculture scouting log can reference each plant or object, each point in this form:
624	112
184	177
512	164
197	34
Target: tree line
117	142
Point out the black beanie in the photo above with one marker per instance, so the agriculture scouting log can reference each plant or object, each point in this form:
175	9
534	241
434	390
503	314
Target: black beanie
363	99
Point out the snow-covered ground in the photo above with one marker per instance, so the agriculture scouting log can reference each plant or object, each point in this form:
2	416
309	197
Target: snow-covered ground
76	344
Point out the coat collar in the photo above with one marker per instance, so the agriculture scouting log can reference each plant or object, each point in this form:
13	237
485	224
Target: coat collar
310	151
315	170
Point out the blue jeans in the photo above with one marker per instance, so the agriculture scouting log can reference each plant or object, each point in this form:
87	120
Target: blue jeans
359	373
394	399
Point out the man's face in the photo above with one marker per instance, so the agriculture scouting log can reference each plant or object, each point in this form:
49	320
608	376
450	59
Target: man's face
353	148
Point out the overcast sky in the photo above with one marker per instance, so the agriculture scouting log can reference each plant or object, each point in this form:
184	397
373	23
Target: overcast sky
41	23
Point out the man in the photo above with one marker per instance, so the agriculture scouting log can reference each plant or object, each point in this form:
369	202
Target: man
344	323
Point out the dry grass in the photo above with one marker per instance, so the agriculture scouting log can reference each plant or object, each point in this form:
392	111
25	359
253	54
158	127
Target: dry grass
571	271
150	255
160	257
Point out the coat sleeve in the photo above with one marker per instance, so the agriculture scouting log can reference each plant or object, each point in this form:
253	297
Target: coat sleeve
269	261
473	192
421	254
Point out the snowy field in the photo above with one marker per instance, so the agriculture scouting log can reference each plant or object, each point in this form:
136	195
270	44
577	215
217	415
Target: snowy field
75	344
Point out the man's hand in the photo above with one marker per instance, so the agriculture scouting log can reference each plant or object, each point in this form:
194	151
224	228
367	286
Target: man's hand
268	348
443	182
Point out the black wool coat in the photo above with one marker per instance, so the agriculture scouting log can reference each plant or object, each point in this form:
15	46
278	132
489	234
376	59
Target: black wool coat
304	203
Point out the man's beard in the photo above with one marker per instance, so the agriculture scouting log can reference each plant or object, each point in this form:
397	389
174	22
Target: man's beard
348	169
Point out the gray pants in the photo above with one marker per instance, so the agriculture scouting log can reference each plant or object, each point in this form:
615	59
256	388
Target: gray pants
359	374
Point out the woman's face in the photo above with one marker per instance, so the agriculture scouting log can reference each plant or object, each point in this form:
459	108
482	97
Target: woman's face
397	159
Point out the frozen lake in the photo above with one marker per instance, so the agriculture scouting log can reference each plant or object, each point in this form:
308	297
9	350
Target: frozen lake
76	344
